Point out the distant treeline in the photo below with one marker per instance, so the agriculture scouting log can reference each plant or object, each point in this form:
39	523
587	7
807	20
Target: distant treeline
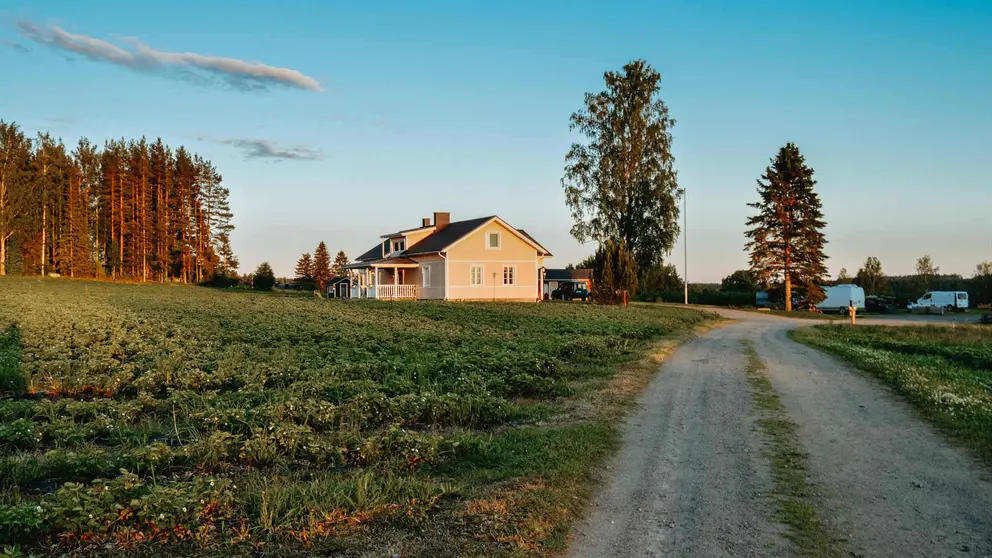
906	288
902	289
131	210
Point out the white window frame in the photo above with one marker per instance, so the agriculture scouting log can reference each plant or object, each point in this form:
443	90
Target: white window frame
425	273
499	240
513	275
482	276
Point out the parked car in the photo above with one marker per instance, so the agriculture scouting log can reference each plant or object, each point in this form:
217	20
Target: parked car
880	304
570	290
952	300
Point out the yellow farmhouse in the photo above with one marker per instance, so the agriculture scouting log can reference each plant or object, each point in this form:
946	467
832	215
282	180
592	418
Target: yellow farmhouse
477	259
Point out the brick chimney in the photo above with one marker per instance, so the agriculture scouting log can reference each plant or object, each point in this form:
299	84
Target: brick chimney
425	222
441	220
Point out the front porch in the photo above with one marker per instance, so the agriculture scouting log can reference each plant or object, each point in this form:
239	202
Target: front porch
394	279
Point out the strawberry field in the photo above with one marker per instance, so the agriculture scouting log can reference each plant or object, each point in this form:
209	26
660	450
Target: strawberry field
170	420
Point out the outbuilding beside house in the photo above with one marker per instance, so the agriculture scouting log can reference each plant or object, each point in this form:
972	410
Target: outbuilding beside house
339	287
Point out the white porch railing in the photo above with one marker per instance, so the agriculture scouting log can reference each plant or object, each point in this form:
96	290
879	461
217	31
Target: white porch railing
395	291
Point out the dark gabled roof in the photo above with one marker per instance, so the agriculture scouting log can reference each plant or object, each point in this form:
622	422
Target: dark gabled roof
373	254
338	279
546	252
439	240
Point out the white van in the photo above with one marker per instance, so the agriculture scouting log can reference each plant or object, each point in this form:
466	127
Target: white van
839	297
952	300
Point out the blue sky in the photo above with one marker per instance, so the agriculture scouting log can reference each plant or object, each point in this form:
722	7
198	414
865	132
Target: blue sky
464	106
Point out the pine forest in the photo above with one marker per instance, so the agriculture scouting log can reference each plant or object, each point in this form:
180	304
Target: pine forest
132	210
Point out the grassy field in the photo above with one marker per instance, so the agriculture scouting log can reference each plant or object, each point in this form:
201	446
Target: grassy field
155	420
945	372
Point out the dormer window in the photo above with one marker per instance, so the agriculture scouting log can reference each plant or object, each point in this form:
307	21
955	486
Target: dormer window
399	245
493	240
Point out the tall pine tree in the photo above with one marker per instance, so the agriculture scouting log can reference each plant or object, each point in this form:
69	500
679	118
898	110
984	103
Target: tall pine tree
786	236
15	176
321	266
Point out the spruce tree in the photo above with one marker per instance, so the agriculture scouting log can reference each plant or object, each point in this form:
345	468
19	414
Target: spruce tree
786	236
304	272
614	273
321	266
340	260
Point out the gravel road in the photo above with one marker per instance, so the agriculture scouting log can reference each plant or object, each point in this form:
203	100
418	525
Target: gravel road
691	480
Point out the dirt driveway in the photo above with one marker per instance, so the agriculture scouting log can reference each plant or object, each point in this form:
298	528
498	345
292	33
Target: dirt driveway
692	480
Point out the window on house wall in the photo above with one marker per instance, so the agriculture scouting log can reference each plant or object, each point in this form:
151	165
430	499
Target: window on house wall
508	275
426	273
476	272
493	241
399	245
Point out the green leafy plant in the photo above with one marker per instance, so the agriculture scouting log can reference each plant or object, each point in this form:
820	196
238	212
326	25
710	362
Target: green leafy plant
11	379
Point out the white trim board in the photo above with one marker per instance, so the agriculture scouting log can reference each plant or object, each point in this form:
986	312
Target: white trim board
490	287
495	261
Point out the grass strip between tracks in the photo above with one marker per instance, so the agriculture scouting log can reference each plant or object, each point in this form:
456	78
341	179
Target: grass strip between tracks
792	493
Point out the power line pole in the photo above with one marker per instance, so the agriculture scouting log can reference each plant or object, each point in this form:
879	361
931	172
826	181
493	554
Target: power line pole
685	246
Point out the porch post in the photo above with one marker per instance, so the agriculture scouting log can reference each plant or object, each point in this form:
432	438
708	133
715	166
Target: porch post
396	279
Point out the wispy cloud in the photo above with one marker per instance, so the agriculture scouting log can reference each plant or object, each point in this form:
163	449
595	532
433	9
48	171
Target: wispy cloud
140	57
16	46
267	149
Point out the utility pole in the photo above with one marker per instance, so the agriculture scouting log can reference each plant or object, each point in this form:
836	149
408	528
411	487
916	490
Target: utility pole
685	246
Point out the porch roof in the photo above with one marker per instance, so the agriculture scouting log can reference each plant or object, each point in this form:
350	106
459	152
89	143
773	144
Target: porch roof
395	262
388	262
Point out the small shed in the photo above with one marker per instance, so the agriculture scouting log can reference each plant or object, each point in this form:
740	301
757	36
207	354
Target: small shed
339	287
